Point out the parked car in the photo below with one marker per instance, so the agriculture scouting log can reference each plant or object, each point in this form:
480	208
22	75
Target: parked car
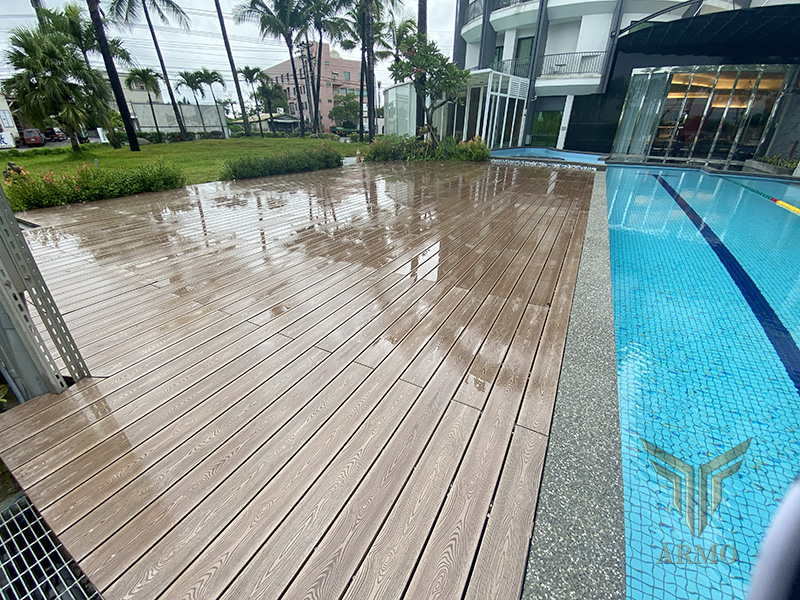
32	137
54	134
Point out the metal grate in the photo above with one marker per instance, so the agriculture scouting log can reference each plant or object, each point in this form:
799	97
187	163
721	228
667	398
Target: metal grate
33	563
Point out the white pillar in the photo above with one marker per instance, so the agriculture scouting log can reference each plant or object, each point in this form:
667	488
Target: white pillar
562	132
509	44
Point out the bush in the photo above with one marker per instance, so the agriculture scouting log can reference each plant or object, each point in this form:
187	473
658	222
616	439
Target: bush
778	161
391	147
13	153
311	159
27	191
474	150
396	147
354	137
329	136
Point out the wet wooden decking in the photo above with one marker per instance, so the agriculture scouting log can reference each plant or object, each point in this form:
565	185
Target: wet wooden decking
327	385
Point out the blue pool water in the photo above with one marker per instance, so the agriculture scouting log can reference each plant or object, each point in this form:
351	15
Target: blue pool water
578	157
706	285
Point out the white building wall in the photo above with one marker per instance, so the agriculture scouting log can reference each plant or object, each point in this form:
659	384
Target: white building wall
562	36
8	129
473	52
593	33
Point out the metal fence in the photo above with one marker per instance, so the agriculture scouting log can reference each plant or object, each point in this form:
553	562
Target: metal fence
573	63
506	3
515	66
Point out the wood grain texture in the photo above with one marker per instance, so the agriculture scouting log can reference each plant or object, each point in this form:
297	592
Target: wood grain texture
305	386
503	554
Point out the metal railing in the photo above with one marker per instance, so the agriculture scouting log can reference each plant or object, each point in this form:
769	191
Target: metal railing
573	63
515	66
474	11
506	3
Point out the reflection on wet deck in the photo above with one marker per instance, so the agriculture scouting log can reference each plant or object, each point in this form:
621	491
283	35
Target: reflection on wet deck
315	385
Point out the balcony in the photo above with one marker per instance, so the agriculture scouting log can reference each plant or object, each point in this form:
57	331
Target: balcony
572	63
471	31
514	14
571	73
516	66
474	10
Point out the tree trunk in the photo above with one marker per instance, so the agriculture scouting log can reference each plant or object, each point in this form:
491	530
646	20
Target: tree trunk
370	83
319	77
311	88
155	121
258	112
37	7
290	46
245	121
271	118
422	29
214	98
181	126
200	112
361	84
113	76
73	139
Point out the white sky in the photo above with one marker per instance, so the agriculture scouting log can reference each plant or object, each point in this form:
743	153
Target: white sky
202	45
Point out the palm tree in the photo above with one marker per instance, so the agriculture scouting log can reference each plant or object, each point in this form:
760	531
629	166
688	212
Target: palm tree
251	75
245	121
72	21
322	17
127	11
52	80
354	32
148	79
189	80
271	94
111	69
209	78
284	19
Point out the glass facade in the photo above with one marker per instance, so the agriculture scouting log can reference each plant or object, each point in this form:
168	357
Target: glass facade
714	115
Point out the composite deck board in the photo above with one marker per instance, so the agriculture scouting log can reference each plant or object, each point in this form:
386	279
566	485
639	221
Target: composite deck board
308	386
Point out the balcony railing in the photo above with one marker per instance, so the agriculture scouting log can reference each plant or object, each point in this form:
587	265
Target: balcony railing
506	3
516	66
573	63
474	10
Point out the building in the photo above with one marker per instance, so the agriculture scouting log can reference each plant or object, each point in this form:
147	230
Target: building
556	72
339	76
8	128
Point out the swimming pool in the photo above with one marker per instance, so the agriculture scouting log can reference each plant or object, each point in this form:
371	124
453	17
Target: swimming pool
545	153
706	290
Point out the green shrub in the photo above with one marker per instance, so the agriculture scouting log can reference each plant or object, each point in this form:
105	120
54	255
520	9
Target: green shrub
14	153
310	159
354	137
391	147
27	191
778	161
396	147
329	136
473	150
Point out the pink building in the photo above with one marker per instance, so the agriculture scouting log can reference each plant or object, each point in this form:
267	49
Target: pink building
339	76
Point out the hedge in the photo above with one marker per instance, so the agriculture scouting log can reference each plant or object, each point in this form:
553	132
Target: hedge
30	190
310	159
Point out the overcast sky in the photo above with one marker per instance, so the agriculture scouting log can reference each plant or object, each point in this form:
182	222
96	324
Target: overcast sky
202	45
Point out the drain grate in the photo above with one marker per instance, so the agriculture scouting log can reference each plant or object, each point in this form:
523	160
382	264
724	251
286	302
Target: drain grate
33	563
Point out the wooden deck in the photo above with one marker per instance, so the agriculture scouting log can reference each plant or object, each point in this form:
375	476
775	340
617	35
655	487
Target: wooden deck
327	385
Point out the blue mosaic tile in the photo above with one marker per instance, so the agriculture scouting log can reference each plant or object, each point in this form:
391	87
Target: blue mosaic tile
698	376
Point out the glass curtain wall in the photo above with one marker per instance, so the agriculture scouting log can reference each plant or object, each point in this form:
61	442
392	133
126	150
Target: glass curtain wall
711	115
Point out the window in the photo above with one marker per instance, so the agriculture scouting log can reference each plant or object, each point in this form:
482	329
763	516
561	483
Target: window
328	84
347	75
335	74
330	101
327	62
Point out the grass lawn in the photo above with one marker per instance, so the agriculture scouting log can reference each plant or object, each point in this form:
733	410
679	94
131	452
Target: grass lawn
201	161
